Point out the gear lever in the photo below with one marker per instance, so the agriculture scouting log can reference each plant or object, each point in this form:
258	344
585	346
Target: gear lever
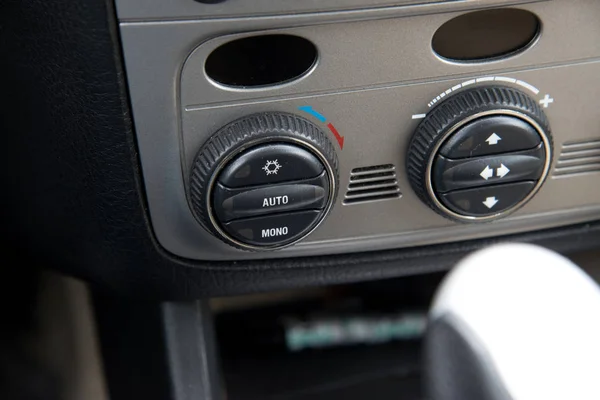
514	322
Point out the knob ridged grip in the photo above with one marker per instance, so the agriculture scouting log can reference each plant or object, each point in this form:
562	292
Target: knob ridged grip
237	136
449	114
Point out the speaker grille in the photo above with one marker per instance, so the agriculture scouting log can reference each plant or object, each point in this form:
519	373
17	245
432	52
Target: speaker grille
578	158
373	183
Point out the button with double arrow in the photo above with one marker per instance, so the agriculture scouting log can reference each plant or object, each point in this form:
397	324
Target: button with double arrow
488	200
449	174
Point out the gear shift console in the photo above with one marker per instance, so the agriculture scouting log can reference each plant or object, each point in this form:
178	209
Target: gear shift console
514	322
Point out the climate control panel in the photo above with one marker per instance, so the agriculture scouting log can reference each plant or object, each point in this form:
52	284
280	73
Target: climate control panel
265	181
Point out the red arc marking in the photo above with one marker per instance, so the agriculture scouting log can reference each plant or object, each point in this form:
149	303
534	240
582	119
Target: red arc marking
338	137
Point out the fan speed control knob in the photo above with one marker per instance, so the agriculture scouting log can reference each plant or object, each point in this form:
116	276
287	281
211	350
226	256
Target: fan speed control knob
264	181
480	154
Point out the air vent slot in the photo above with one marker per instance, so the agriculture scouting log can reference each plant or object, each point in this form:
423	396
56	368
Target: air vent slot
578	158
261	61
373	183
486	35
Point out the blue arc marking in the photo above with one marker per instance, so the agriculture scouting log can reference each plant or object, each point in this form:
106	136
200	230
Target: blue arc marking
309	110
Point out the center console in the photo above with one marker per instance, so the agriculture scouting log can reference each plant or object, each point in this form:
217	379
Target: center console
287	129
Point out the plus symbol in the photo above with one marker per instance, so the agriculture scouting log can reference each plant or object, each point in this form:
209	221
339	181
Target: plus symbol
546	101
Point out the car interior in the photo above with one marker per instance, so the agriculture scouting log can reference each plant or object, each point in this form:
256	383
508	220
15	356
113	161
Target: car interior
293	200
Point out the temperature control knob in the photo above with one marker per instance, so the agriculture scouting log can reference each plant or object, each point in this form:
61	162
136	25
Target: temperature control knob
264	181
480	154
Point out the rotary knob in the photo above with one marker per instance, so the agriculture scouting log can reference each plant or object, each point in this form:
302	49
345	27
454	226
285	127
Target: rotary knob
264	181
481	154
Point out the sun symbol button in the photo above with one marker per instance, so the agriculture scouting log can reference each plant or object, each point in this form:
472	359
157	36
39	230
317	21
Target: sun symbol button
271	167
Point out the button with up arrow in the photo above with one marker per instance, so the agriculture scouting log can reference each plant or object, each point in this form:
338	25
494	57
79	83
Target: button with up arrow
493	139
491	135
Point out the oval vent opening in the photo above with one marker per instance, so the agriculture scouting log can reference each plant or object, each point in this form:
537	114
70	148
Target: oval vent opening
373	183
486	35
259	61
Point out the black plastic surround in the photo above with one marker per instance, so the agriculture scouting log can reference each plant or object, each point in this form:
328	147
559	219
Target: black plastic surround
265	181
480	154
